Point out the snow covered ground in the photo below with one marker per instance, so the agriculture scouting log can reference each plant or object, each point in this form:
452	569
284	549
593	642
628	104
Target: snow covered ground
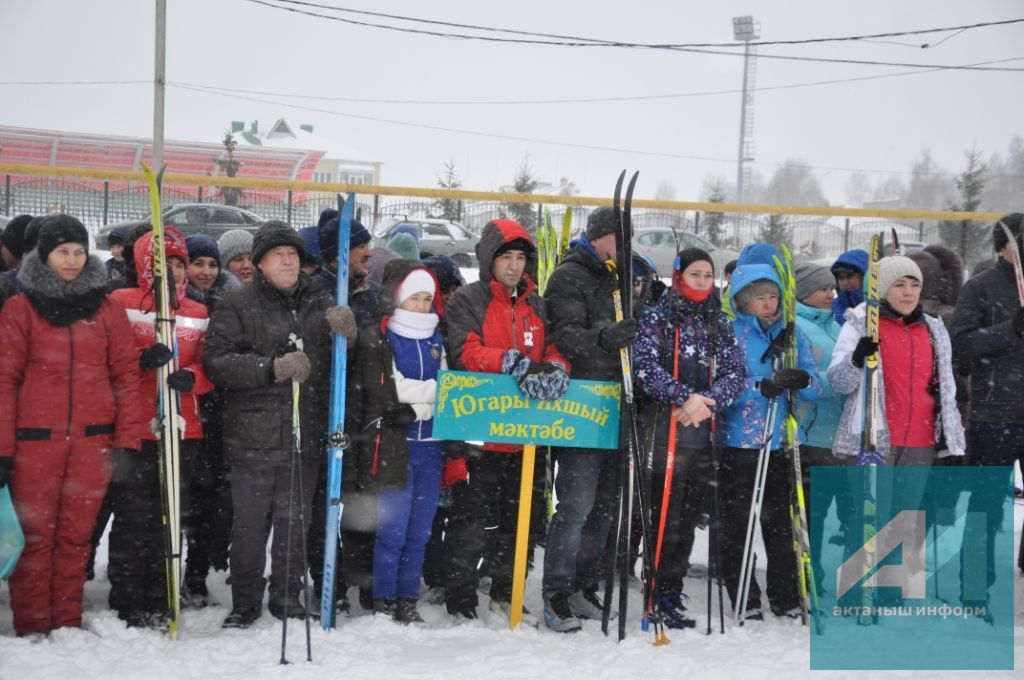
364	646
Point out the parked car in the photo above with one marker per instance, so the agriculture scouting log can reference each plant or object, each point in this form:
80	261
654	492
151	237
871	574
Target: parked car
437	237
212	219
659	244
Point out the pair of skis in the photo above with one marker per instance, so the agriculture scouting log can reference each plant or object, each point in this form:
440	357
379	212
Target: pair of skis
168	411
551	247
631	483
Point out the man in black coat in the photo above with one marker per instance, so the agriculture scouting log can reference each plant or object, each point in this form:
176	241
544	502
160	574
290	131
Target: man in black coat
988	331
579	304
263	337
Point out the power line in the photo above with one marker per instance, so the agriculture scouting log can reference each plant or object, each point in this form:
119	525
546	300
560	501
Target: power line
534	140
580	100
587	42
803	41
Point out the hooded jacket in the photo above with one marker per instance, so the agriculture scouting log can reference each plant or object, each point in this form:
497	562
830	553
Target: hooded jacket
858	259
746	416
75	380
379	456
579	303
819	418
847	379
982	332
190	321
485	322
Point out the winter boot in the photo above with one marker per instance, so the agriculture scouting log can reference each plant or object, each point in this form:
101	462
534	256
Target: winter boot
434	595
674	613
586	604
293	610
384	606
788	612
366	599
406	612
505	609
197	596
242	617
558	613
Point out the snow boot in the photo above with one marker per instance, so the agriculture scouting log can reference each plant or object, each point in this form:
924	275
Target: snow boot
434	595
293	610
504	609
384	606
558	613
674	612
586	604
788	612
242	617
406	612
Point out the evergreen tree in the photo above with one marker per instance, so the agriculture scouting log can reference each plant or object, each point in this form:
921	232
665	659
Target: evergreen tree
714	228
448	208
775	231
525	182
230	195
970	237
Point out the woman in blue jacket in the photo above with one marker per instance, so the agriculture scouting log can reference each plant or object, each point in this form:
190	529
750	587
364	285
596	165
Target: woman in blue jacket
818	419
755	294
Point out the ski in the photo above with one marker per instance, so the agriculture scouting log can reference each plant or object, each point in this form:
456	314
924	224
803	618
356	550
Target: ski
1015	257
712	499
337	440
806	584
563	239
869	455
168	411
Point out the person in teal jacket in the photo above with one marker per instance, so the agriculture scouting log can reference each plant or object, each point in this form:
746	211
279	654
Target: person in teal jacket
755	298
818	419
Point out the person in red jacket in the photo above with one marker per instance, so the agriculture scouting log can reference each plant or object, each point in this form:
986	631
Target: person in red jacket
495	325
69	387
136	568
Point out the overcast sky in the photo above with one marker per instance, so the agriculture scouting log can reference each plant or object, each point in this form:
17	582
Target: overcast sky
878	125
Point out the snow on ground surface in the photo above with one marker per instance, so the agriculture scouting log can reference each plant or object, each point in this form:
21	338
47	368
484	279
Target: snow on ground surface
364	646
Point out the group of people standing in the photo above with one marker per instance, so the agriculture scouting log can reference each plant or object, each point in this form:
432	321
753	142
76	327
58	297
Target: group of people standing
255	320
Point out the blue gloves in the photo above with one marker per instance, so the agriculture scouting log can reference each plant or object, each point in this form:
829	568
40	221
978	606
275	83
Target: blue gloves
536	380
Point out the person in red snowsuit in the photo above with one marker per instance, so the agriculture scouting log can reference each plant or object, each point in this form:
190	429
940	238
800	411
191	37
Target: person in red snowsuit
136	569
69	385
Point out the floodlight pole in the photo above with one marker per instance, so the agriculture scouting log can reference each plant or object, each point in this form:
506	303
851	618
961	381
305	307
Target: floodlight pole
159	85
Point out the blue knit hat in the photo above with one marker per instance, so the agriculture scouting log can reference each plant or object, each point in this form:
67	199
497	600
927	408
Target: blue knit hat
327	235
201	245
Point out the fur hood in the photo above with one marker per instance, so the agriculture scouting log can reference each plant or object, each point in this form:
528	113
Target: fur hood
63	302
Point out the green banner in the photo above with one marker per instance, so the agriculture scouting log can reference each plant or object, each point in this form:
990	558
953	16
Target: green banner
489	407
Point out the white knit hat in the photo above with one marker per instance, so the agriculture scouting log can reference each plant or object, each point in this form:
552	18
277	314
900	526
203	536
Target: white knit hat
419	280
891	269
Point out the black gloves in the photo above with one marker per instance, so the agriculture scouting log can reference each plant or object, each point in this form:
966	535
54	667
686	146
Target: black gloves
182	380
6	463
866	347
785	379
618	336
155	356
400	416
1018	323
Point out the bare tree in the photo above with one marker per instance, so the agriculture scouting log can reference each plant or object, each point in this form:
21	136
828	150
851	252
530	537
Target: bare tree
665	191
794	183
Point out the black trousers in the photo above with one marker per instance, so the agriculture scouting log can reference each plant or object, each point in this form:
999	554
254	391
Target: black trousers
263	502
687	503
137	556
820	498
209	531
736	479
489	499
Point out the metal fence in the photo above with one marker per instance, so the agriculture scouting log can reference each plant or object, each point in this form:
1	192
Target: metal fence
97	203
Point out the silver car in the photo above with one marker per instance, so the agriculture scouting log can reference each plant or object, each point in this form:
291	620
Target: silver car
659	244
437	237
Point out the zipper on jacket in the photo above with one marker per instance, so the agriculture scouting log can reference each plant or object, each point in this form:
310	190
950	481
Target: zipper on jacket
71	382
910	384
419	353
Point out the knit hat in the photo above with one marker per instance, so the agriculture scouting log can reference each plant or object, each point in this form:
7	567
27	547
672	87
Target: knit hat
13	236
445	269
688	256
893	268
406	229
56	230
311	237
31	236
234	243
201	245
327	235
117	236
417	281
515	244
272	234
405	246
753	290
811	278
326	215
1013	223
601	222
